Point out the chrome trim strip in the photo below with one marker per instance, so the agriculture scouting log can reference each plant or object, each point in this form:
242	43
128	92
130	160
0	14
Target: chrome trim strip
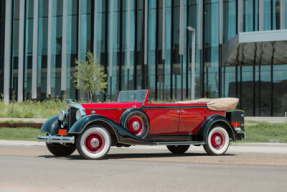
181	143
174	107
56	139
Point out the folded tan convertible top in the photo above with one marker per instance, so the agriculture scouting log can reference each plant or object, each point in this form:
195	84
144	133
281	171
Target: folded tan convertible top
220	104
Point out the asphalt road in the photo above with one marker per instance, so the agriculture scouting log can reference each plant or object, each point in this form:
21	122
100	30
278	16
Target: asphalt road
244	168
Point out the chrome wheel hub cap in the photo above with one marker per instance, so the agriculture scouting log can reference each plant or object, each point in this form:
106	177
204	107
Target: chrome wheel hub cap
136	125
218	140
95	142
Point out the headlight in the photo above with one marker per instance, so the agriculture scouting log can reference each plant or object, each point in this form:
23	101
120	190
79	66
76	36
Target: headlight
62	115
80	114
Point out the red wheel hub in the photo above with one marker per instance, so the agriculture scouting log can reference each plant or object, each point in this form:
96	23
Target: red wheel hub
95	142
217	140
136	126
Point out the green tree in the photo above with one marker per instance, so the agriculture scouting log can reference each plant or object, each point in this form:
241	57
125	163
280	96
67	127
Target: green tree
90	76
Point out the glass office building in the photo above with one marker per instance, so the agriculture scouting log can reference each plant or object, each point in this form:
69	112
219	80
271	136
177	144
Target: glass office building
240	49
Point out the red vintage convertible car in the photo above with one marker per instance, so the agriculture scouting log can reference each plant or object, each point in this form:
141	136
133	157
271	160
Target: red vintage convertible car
133	120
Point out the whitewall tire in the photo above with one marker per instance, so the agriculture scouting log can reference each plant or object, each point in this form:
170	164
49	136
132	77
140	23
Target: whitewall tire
217	141
94	142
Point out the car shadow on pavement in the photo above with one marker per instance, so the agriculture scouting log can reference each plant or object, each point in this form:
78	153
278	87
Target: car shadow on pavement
154	155
136	156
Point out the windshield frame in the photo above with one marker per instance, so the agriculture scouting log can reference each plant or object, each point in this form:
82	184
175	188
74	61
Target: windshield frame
141	90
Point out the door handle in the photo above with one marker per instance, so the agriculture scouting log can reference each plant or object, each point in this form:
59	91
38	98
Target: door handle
178	111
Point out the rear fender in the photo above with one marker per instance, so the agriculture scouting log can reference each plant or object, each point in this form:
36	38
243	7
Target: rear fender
51	126
123	136
211	120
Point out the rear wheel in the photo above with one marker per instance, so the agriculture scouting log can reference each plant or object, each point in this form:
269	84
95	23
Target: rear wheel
177	149
60	150
94	142
217	141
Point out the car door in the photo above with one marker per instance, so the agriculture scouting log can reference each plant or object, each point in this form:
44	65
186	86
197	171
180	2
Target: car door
191	118
164	118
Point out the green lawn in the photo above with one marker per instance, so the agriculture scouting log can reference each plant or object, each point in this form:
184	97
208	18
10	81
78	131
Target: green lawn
24	134
265	132
256	132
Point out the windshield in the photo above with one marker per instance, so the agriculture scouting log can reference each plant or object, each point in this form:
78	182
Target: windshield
131	96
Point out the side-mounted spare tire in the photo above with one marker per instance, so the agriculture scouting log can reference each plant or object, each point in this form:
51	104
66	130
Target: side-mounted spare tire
136	121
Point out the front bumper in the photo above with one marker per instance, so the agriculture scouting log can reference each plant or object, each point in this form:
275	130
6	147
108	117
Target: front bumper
56	139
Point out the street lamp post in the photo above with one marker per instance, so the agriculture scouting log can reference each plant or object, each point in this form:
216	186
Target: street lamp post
192	62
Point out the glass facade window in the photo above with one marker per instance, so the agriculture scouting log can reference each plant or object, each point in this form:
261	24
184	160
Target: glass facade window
28	49
2	33
71	47
15	51
57	22
279	87
211	49
249	15
256	75
42	49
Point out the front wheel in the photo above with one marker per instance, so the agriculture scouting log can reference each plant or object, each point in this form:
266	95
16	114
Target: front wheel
217	141
178	149
94	142
60	150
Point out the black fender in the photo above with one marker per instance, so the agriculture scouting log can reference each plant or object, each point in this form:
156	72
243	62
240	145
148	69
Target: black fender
51	126
123	136
206	125
127	113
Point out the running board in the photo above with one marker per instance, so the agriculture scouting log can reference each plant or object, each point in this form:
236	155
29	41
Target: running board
181	143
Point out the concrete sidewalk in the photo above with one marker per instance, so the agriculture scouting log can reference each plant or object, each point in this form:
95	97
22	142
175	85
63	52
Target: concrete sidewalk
36	120
234	147
267	119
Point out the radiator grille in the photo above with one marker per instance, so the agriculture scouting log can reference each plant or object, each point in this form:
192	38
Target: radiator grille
72	116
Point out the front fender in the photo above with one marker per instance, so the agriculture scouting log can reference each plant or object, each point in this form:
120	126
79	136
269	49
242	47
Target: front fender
51	126
206	125
123	135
